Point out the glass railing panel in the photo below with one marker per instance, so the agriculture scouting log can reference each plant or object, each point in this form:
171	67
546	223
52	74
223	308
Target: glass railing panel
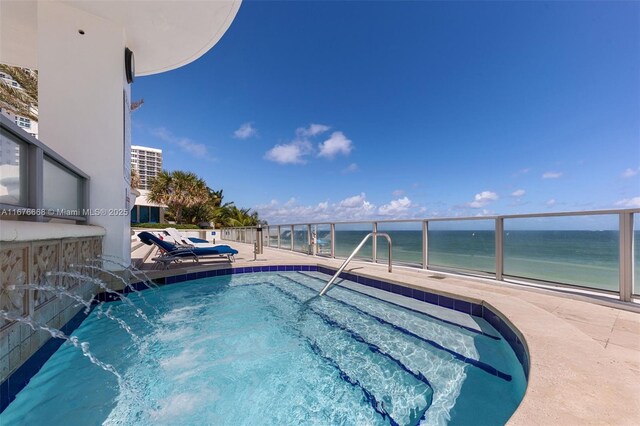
323	239
636	254
285	237
576	250
301	238
62	189
273	236
349	235
463	244
13	172
406	242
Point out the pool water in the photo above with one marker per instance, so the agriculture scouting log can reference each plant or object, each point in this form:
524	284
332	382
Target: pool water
261	349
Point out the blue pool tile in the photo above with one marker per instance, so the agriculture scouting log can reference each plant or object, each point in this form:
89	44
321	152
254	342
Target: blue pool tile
192	276
288	268
406	291
305	268
202	274
431	298
377	284
418	295
281	268
170	280
385	286
445	302
273	268
462	306
476	309
396	289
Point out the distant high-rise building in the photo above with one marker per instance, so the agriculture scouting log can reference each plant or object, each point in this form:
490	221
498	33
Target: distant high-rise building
147	162
29	125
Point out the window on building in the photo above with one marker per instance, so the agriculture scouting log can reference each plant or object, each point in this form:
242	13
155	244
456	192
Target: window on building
144	214
23	122
155	215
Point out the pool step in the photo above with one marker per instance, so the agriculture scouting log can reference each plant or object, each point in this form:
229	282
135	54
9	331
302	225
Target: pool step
393	391
446	373
446	334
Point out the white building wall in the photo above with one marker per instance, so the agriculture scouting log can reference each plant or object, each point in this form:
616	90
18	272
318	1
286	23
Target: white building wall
82	114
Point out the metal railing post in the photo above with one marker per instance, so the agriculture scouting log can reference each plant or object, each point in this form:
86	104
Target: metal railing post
278	236
626	256
425	244
35	181
333	240
499	248
292	230
374	243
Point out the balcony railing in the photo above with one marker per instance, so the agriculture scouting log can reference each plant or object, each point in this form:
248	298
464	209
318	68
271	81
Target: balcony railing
589	250
35	182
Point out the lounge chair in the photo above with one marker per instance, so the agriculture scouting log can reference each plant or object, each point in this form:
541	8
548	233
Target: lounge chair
170	252
187	241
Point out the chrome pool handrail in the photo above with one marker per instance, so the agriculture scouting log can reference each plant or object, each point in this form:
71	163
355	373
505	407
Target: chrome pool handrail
351	256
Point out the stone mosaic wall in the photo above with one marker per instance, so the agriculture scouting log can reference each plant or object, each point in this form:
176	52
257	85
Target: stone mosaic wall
41	263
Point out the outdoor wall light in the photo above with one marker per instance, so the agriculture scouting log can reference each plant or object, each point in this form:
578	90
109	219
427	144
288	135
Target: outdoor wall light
129	65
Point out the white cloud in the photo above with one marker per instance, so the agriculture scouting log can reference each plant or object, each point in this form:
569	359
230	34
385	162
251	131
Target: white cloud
518	193
292	153
245	131
630	173
351	208
551	175
336	144
291	202
312	130
296	151
355	201
356	207
395	207
398	193
551	202
187	145
351	168
482	199
629	203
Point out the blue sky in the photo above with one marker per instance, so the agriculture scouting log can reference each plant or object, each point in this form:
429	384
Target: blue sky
357	110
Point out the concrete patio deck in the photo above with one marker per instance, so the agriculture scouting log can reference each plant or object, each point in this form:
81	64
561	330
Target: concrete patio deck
584	350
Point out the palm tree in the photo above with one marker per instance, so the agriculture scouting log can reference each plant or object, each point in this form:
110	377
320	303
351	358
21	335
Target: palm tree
231	216
135	179
22	100
178	190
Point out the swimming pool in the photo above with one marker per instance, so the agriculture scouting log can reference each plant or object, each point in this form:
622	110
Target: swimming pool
260	348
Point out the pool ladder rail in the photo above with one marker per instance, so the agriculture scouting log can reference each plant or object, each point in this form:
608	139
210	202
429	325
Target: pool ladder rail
351	256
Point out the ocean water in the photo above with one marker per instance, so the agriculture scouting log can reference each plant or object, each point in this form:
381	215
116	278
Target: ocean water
581	258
